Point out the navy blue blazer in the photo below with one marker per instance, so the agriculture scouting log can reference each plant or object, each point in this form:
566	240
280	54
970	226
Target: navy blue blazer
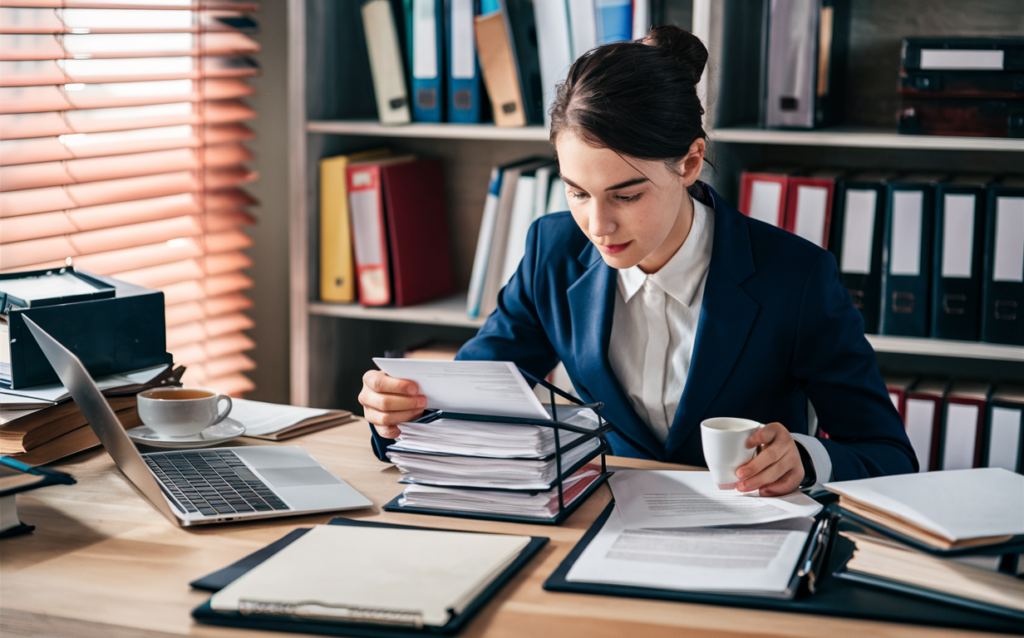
776	328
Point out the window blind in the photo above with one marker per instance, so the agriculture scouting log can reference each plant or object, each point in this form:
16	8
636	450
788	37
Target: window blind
122	152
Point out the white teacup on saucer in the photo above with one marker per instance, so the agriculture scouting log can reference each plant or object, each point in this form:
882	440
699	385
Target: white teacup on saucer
212	435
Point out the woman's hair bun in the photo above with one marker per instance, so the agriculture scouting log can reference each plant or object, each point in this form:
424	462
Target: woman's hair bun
683	45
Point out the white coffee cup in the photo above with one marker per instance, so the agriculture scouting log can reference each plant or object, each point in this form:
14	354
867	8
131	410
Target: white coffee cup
178	412
725	450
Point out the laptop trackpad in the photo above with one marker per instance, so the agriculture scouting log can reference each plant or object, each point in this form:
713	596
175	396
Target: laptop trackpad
298	476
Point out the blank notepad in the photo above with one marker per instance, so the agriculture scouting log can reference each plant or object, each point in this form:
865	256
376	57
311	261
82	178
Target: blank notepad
359	574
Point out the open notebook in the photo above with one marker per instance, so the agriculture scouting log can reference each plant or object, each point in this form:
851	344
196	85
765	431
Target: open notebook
354	574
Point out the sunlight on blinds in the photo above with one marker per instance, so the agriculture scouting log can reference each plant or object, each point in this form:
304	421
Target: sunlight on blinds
122	151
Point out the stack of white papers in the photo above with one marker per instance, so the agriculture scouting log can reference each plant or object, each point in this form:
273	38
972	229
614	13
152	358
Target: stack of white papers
442	458
469	471
678	531
354	574
543	504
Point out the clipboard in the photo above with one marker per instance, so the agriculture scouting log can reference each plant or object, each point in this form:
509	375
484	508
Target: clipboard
832	596
274	622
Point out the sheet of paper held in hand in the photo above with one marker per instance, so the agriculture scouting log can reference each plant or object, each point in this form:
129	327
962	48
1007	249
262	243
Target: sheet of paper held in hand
650	499
494	388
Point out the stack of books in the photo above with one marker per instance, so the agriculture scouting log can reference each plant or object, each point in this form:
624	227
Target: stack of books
41	424
951	536
497	468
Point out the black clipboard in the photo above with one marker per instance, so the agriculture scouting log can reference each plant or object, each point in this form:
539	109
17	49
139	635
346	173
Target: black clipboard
271	622
832	596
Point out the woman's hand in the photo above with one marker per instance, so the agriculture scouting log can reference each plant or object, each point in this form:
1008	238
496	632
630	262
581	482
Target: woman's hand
777	469
388	401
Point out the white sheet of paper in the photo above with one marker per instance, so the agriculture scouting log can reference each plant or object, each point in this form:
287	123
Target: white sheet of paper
494	388
1008	264
261	418
958	504
754	559
765	200
650	499
961	436
810	214
858	231
920	424
905	252
958	236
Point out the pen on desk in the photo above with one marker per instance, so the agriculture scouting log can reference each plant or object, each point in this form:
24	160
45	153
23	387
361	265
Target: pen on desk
817	560
812	549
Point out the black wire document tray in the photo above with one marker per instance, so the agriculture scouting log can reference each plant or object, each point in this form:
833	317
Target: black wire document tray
566	505
832	596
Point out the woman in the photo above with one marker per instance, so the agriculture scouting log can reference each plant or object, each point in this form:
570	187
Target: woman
668	305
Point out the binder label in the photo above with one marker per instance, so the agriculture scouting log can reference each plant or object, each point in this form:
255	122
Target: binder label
920	422
905	255
1004	439
958	236
811	202
1009	236
463	49
858	231
961	433
765	202
424	63
961	59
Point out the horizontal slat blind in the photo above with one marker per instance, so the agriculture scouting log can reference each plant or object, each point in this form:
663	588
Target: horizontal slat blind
122	152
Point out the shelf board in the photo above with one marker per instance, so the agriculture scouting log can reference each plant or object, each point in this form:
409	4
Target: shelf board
863	137
434	131
450	311
946	348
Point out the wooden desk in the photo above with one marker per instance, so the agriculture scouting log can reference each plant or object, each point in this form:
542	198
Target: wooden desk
102	562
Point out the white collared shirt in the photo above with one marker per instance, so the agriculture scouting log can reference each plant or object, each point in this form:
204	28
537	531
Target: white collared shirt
654	329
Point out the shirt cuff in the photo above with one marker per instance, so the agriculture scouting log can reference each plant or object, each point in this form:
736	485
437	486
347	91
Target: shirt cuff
819	458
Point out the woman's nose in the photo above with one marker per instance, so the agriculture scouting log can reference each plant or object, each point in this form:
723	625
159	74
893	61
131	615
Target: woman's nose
602	222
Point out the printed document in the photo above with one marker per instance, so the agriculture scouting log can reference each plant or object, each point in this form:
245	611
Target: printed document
494	388
755	560
650	499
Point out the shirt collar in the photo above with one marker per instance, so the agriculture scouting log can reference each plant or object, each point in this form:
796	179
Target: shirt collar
682	275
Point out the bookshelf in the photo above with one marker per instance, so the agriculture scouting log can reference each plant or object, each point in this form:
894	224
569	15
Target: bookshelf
331	111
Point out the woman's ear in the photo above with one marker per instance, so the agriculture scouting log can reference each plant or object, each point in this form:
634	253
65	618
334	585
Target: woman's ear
692	164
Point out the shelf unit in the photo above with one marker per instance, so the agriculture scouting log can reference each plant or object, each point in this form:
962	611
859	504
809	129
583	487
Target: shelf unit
331	111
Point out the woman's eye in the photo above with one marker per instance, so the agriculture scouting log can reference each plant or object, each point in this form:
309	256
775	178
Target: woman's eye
576	195
630	198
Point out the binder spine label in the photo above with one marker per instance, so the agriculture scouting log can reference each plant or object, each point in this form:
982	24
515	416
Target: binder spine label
958	237
1009	240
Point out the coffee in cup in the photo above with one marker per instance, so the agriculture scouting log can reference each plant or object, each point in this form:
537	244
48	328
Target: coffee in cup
724	440
177	412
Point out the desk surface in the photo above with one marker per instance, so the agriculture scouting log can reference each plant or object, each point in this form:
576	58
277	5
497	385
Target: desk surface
102	562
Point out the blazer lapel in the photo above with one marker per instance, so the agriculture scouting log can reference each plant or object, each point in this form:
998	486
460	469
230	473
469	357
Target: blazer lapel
591	305
726	317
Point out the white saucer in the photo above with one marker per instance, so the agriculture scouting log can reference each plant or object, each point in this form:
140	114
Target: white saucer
224	431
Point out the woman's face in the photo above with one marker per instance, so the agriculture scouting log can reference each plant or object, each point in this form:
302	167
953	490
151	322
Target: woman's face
636	212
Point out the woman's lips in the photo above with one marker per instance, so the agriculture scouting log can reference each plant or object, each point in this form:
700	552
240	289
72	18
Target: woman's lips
612	249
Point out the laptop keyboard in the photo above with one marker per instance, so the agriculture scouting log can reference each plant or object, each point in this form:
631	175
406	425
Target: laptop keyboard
213	482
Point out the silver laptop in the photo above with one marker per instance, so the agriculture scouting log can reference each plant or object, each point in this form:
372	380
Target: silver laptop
208	485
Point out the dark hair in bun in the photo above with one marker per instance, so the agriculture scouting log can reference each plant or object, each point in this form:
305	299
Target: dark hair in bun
636	98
